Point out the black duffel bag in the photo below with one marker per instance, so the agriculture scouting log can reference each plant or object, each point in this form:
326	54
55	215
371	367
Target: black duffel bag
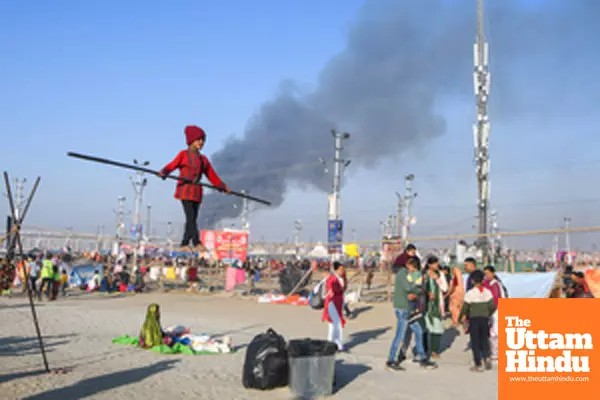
266	364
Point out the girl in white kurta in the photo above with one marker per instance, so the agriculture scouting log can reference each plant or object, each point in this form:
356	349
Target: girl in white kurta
495	286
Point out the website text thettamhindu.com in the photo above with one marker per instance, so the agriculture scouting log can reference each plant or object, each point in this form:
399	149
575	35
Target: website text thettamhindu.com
533	379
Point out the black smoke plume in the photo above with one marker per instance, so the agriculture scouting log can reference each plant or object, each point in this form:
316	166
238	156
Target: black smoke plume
402	58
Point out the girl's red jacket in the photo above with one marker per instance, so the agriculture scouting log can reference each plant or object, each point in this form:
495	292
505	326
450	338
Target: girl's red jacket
192	165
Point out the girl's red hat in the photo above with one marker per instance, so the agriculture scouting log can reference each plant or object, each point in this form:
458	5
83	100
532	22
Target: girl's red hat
193	133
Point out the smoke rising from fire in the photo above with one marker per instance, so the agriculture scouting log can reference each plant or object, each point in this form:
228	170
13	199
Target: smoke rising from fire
401	58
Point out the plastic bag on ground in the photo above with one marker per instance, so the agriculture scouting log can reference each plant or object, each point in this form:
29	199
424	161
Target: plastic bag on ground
310	348
266	364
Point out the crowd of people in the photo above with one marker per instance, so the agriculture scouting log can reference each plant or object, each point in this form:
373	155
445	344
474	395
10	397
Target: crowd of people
49	275
425	296
45	276
574	284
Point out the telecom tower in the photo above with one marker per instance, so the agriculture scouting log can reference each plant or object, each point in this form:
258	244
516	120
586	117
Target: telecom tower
481	129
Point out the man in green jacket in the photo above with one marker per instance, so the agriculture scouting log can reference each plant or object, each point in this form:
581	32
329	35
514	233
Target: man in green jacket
406	289
47	276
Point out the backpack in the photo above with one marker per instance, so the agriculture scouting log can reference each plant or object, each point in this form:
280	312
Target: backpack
266	364
316	298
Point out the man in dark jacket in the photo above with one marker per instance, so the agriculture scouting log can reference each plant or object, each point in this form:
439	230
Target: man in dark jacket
409	251
470	265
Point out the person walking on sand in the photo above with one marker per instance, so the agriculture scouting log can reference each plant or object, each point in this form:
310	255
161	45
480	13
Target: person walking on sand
64	282
456	292
55	282
435	285
495	286
34	273
334	304
192	166
347	311
470	266
407	287
47	277
478	308
400	261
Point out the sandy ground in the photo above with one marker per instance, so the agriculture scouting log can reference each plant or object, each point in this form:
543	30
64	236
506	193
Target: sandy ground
78	331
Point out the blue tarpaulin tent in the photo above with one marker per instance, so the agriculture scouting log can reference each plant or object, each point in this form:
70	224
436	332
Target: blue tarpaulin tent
80	274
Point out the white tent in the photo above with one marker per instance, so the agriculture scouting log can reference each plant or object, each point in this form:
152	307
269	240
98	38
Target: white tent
319	251
259	251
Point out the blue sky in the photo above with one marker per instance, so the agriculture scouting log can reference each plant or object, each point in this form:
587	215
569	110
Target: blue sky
121	80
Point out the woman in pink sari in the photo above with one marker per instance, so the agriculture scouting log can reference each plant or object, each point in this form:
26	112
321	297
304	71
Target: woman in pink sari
456	292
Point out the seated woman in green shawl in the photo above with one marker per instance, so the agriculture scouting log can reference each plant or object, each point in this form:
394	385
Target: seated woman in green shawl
152	334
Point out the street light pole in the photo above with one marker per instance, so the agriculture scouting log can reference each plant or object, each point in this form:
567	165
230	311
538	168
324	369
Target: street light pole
567	221
20	198
339	165
120	214
169	236
138	186
297	229
148	222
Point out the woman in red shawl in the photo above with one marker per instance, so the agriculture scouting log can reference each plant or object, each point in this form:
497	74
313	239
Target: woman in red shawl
334	304
192	165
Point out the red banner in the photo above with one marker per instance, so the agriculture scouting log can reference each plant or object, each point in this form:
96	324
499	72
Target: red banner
227	246
391	249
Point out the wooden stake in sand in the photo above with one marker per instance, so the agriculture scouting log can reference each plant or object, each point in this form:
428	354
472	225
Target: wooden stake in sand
300	282
14	241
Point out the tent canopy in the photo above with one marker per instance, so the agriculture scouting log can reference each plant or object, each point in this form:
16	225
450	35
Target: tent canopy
318	252
526	285
80	274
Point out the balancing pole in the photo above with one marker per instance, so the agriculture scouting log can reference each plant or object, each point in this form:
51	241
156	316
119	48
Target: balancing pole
15	240
157	173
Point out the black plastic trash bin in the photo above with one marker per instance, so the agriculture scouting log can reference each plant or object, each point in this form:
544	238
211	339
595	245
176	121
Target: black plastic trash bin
312	367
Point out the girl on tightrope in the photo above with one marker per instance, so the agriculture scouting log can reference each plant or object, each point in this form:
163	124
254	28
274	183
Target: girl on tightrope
192	165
